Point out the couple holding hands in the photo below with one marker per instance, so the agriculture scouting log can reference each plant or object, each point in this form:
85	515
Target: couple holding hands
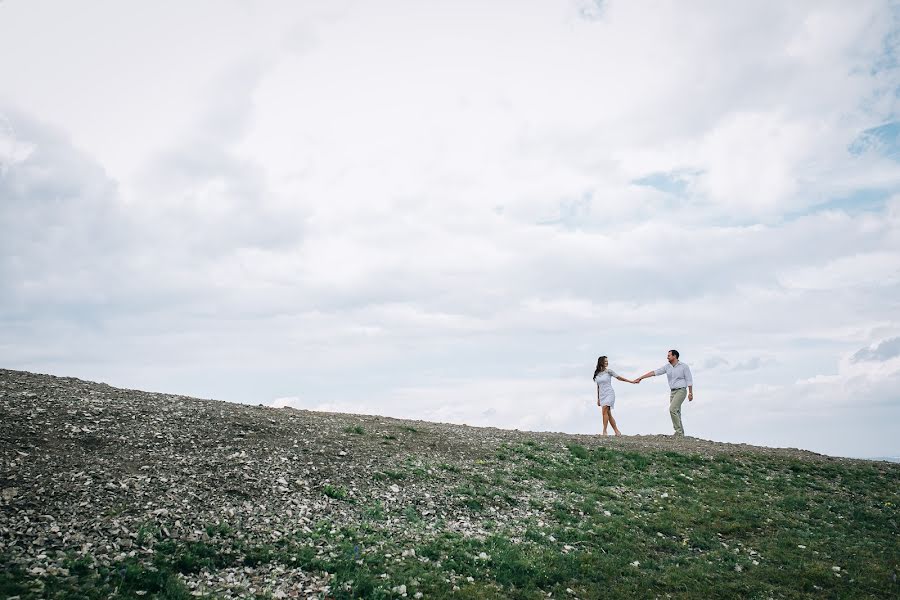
681	385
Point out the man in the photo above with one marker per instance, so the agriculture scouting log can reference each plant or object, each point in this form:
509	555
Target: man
681	383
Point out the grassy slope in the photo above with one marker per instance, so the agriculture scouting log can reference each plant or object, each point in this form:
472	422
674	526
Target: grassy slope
621	524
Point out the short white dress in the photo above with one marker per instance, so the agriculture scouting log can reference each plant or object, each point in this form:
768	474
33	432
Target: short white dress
607	393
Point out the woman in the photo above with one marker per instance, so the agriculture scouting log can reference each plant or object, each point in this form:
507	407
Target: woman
606	395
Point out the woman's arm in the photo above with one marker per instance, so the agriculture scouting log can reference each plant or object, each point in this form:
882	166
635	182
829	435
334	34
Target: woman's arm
620	378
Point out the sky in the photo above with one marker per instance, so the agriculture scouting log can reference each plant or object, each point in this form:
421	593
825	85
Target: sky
447	210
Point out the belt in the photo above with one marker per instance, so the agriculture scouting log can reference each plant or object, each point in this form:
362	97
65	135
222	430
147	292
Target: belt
676	389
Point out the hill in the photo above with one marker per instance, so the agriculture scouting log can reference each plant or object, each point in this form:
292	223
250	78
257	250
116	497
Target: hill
111	492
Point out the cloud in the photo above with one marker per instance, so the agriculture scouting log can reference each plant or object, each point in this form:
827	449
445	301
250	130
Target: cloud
61	223
714	362
287	401
874	268
752	364
415	215
201	194
882	351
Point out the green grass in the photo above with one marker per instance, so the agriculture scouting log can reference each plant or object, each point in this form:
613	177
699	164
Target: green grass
604	523
158	578
388	475
219	529
336	492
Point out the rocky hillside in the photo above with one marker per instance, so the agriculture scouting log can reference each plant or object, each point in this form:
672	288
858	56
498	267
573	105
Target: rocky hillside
109	492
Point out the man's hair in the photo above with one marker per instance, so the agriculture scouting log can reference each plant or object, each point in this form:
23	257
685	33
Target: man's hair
675	353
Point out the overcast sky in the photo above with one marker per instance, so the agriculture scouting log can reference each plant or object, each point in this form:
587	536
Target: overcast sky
446	210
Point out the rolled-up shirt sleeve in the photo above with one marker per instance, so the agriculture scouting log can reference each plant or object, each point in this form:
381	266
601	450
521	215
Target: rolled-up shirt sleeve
659	371
688	378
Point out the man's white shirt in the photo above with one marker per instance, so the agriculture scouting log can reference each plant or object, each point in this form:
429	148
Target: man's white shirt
679	375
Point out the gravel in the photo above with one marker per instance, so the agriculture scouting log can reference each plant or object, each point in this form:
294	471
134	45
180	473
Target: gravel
92	470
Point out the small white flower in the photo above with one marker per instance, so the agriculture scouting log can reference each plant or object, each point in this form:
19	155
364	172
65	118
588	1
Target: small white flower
636	563
607	513
664	495
738	568
836	569
801	546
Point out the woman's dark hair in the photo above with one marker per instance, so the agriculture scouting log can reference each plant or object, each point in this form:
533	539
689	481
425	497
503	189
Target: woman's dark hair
675	353
599	365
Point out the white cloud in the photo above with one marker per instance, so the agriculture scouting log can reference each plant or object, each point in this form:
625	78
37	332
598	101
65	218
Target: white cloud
881	351
448	211
873	268
287	401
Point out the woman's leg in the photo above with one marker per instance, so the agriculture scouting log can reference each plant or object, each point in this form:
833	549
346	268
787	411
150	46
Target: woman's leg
612	421
605	418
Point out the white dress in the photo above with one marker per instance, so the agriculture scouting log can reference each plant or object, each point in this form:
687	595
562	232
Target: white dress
607	393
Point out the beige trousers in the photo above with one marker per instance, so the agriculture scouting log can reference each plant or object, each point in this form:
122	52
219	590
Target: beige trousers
676	398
